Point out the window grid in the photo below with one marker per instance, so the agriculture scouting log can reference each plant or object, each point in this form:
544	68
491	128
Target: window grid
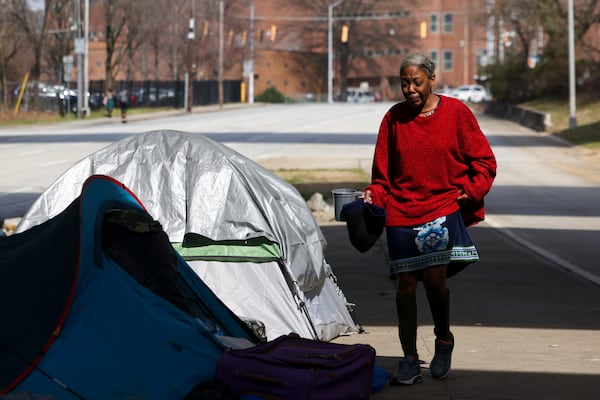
434	23
448	23
448	62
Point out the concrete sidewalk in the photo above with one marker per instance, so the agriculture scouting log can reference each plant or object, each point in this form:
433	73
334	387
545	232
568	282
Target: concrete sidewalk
524	328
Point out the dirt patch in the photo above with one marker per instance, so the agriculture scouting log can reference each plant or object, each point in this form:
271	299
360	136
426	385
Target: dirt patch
311	181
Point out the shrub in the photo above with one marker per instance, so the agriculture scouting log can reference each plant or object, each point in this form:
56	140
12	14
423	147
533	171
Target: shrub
271	95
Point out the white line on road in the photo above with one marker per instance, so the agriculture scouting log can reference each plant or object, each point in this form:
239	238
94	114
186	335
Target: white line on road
54	162
29	152
543	252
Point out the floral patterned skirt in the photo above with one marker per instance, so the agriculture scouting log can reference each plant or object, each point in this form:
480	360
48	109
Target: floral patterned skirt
442	241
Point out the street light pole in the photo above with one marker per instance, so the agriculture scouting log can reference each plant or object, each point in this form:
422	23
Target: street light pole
221	50
251	72
330	50
571	26
86	58
189	81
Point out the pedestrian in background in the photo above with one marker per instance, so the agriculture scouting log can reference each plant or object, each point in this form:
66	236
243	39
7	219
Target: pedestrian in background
124	104
432	168
109	102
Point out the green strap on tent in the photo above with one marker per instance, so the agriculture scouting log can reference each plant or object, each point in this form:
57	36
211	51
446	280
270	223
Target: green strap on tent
229	252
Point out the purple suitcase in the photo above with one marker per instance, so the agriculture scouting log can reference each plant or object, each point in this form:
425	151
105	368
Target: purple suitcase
294	368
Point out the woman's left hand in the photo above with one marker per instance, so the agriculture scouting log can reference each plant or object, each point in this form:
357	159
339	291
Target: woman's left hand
367	196
462	196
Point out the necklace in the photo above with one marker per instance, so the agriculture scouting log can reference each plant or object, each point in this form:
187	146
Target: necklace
430	112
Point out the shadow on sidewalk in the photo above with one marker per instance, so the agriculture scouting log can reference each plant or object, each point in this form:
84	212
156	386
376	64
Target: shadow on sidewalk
519	319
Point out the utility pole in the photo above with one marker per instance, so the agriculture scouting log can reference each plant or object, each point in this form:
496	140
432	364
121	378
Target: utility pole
330	50
189	99
79	50
221	44
251	64
571	26
86	58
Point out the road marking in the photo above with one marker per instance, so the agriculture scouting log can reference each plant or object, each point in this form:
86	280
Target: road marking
30	152
55	162
592	175
543	252
19	190
518	221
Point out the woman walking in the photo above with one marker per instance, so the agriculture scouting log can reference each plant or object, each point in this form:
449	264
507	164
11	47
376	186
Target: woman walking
432	168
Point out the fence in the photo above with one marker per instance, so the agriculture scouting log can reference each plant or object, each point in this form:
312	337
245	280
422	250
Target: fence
58	98
170	93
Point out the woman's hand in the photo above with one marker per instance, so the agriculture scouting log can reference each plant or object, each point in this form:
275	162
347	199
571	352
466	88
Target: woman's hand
462	196
367	196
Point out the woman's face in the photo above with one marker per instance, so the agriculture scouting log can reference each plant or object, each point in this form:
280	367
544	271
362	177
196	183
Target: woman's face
416	86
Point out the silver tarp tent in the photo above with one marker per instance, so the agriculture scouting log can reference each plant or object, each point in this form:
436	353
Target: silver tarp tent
245	231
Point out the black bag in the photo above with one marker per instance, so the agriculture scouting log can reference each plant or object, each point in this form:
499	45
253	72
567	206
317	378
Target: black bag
365	223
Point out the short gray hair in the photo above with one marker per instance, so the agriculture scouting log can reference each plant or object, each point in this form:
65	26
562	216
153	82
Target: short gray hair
419	60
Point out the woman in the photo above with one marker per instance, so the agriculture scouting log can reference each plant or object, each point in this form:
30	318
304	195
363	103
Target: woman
431	170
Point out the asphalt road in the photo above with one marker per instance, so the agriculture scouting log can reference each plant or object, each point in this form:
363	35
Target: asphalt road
525	317
546	196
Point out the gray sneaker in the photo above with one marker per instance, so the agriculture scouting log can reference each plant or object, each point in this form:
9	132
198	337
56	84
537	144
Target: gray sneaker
440	365
409	372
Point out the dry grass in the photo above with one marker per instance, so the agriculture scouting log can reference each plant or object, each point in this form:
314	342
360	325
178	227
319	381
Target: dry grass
587	132
8	118
310	181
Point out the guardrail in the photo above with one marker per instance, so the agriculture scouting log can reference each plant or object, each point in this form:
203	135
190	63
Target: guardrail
536	120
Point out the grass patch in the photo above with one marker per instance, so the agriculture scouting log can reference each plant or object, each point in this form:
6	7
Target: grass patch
7	118
586	135
311	181
587	132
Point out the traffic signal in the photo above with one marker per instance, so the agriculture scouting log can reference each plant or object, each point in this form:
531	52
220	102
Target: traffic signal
273	32
423	30
344	37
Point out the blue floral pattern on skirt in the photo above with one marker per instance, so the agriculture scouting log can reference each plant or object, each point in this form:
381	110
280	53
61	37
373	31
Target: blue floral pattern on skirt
432	236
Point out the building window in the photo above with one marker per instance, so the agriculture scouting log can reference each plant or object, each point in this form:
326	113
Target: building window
434	23
398	14
448	62
448	23
435	57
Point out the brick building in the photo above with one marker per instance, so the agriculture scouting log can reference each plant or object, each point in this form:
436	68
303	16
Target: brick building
290	45
452	32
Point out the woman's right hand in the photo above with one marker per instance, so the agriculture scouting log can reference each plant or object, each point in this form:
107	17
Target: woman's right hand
367	196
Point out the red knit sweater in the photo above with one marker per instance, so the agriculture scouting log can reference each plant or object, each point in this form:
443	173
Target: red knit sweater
421	162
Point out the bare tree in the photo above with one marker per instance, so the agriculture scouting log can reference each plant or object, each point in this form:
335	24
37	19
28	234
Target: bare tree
369	33
10	42
154	27
60	37
523	25
115	19
34	24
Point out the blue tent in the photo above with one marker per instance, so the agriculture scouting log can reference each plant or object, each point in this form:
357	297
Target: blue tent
75	324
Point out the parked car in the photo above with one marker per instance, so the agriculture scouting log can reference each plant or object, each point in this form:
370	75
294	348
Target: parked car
359	95
471	93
